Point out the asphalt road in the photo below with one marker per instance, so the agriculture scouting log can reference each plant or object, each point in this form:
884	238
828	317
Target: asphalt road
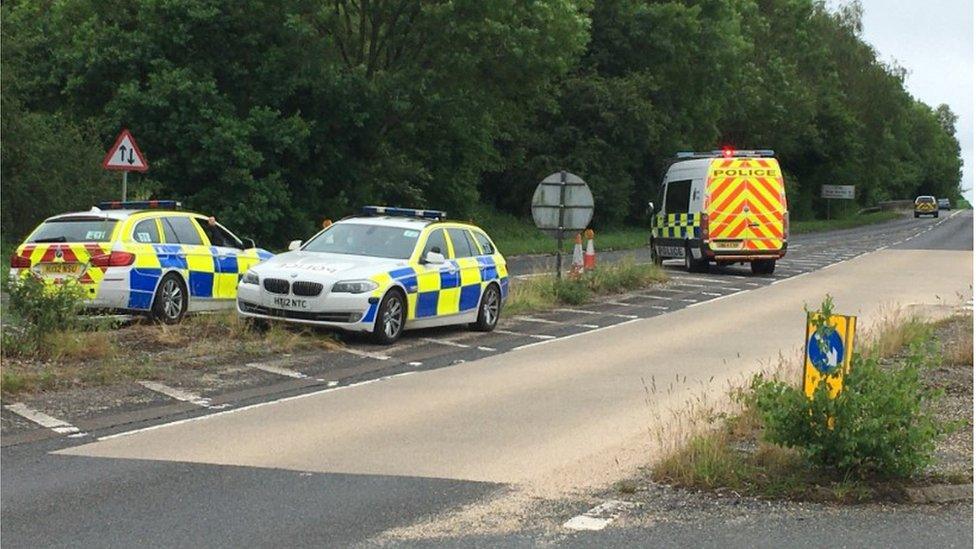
560	406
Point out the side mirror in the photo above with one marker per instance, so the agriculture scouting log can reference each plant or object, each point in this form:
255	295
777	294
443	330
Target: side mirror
650	207
434	258
294	245
249	243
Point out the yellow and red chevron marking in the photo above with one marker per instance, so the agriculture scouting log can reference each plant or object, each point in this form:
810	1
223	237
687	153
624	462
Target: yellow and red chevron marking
69	253
745	201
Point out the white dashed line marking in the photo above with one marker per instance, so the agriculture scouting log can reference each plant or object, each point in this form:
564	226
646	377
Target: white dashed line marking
570	336
660	307
534	336
365	354
619	303
415	363
588	326
655	297
178	394
713	294
599	517
534	319
276	370
446	342
598	313
57	425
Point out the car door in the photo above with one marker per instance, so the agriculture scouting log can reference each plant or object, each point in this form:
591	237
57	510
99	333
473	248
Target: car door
437	285
185	250
466	258
226	250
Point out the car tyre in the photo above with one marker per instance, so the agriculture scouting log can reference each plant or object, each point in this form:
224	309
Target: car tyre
390	318
936	215
763	266
655	257
916	215
489	310
171	300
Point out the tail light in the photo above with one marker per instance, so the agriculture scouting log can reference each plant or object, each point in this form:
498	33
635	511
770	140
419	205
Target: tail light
114	259
704	226
786	224
18	262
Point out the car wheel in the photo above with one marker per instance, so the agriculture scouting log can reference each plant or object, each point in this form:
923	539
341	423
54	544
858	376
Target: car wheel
655	258
171	300
935	215
916	215
390	318
763	266
489	311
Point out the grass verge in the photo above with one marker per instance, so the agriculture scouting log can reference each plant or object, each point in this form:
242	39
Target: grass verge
817	225
727	452
145	350
547	291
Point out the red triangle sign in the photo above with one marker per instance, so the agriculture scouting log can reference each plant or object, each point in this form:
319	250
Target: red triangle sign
125	155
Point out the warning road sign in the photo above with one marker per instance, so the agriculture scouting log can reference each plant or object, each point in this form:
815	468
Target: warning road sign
125	155
828	355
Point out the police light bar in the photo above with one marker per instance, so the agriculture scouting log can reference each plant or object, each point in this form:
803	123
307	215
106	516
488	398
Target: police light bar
726	153
140	205
404	212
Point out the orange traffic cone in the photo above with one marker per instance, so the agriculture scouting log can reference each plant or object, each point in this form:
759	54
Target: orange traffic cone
589	258
577	268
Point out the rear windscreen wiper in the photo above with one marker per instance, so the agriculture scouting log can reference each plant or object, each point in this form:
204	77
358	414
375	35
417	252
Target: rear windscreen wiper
51	239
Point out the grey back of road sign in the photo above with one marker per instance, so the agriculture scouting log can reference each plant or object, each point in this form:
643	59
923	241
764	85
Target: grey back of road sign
562	204
844	192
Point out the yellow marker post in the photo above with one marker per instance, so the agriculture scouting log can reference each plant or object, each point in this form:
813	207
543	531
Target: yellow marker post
830	359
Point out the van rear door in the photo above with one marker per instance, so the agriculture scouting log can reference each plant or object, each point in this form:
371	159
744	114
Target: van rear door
746	205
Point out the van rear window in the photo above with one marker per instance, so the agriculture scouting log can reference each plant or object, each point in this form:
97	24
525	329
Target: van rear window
678	196
74	229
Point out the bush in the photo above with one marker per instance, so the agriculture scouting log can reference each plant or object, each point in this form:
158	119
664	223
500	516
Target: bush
39	310
880	424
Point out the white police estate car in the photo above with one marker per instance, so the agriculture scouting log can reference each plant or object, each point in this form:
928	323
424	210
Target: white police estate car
381	272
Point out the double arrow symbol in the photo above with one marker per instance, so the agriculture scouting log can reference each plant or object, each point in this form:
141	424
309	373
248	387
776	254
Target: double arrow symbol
122	149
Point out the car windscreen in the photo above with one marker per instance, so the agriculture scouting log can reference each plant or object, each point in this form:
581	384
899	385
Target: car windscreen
369	240
74	229
925	200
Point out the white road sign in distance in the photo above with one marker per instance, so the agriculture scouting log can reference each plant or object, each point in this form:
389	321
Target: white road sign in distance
562	204
844	192
125	155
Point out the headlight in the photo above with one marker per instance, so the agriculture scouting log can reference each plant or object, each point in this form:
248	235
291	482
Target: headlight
354	286
250	277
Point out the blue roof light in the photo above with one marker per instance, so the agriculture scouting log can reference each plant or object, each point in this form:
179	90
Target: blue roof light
436	215
140	205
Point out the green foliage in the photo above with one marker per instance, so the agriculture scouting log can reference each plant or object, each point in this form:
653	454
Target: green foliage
880	424
39	311
273	115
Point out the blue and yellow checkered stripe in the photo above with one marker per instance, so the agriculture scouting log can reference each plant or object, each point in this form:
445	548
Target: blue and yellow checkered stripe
433	293
207	275
677	225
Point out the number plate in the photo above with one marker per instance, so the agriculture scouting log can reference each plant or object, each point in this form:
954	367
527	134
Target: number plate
290	303
61	270
727	244
670	251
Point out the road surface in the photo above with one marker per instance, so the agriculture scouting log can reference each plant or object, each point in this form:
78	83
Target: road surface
445	447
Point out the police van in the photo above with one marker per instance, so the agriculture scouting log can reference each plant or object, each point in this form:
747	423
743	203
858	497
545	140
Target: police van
722	207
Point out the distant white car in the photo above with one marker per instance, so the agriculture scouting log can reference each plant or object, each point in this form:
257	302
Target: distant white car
382	272
944	204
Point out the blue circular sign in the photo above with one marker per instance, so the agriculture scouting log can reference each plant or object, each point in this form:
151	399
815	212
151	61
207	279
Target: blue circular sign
826	360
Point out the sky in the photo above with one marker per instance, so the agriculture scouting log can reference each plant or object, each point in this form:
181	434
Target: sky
933	39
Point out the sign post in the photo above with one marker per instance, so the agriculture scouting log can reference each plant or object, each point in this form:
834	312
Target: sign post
829	346
562	204
841	192
126	157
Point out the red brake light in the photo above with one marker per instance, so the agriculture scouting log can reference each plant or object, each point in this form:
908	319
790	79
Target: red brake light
704	226
18	262
114	259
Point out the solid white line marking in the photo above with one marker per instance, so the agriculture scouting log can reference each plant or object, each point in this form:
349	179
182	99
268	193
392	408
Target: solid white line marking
534	319
251	406
178	394
276	370
365	354
536	336
447	342
57	425
529	345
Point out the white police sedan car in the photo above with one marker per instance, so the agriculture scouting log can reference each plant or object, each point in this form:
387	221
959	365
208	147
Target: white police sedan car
382	272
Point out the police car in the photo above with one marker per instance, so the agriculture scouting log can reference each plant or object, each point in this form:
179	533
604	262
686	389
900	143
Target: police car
726	206
382	272
143	256
926	205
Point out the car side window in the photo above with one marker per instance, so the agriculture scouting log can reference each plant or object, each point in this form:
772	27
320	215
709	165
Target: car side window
218	235
485	243
181	230
462	247
436	243
146	232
